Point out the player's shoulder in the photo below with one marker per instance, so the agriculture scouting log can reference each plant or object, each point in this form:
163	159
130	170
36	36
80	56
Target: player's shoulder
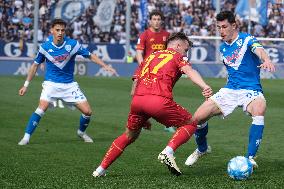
47	43
243	35
72	42
165	32
145	33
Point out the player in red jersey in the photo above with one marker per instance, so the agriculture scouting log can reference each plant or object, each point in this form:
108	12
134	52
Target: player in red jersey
153	39
153	99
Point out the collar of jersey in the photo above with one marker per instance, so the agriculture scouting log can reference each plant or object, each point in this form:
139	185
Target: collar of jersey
58	47
233	41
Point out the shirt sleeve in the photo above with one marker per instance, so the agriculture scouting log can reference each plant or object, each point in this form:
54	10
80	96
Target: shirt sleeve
40	58
182	61
83	52
141	42
254	44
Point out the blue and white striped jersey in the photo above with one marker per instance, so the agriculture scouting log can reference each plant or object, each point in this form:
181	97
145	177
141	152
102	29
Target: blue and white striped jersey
241	62
60	60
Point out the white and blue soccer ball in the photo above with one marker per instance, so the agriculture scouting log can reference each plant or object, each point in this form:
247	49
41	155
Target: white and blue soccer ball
240	168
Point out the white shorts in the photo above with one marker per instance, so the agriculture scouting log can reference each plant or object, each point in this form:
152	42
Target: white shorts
229	99
70	93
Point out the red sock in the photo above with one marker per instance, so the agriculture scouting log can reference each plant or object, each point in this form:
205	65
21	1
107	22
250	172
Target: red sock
115	150
182	135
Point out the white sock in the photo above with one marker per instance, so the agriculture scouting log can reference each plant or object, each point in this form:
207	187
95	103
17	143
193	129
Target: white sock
100	170
80	132
27	136
168	150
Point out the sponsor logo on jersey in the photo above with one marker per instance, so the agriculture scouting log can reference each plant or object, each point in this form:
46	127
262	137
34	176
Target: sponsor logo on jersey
68	48
60	58
50	50
164	38
235	55
158	46
152	39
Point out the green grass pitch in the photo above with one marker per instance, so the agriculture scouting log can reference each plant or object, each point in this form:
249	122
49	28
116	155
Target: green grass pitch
56	158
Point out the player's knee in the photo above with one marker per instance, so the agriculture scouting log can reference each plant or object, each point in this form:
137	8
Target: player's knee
88	112
258	108
132	135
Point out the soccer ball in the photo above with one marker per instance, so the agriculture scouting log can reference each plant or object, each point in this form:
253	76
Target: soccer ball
239	168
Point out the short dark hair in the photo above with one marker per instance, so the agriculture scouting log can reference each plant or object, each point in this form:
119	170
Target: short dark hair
226	15
156	13
58	21
179	36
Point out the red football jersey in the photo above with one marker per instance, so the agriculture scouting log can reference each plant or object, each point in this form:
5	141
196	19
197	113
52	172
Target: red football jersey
159	72
150	41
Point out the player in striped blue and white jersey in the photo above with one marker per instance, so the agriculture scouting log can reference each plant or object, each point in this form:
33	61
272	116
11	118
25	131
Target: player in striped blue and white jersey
243	57
59	53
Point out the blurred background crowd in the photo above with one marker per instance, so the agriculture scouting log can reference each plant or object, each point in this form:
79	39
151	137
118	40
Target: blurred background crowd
192	17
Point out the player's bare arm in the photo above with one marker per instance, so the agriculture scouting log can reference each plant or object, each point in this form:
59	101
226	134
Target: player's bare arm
196	78
139	56
30	76
266	62
98	61
134	84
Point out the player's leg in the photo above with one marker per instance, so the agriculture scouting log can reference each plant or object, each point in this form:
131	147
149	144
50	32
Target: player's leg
170	113
85	117
257	109
116	149
34	121
181	136
135	122
202	114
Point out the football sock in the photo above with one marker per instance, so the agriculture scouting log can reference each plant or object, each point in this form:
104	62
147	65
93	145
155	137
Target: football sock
200	137
255	135
115	150
182	135
84	122
168	150
100	170
34	120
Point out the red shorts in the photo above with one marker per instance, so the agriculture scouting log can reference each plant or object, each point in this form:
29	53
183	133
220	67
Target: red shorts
163	110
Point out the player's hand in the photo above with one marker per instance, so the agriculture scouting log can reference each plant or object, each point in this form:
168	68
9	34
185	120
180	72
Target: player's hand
22	91
207	92
110	69
267	65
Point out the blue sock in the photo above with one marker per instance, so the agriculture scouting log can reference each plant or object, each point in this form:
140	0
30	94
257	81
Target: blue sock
32	124
255	136
200	138
84	122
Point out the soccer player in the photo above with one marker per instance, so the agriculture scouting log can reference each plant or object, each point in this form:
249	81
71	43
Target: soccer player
151	40
153	99
243	57
59	53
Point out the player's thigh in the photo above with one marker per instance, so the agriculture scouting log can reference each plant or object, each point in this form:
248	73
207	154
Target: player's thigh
226	100
257	107
206	110
169	113
137	116
84	107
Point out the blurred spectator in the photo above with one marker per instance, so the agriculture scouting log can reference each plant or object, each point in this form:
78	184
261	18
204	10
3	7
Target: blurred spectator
189	16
